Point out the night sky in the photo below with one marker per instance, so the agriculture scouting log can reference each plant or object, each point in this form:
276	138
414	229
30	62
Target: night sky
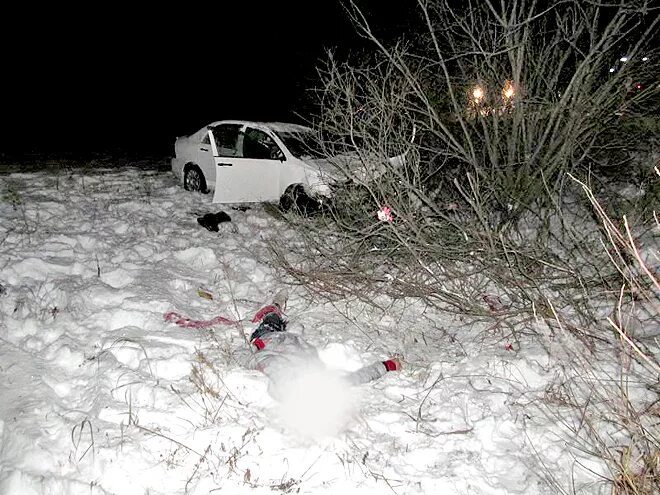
115	77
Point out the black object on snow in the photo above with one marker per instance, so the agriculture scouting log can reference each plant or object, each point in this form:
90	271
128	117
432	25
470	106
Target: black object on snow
241	208
210	221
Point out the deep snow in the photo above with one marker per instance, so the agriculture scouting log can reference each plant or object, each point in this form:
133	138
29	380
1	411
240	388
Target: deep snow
99	395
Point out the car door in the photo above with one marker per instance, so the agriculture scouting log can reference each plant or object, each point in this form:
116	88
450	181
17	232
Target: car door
252	175
204	158
223	147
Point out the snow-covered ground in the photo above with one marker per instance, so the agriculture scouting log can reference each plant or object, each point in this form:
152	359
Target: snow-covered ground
99	395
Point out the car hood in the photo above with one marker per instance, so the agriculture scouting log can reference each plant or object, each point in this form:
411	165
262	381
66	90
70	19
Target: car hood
331	168
353	166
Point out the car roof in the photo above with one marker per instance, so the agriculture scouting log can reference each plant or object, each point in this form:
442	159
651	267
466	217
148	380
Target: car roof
273	126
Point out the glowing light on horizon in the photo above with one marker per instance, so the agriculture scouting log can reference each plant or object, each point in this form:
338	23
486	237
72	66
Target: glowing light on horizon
508	91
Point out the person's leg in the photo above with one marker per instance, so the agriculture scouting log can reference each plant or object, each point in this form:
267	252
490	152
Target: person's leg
271	322
373	371
270	318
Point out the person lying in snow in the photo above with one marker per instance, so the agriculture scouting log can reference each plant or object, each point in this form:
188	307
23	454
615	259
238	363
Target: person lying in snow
279	353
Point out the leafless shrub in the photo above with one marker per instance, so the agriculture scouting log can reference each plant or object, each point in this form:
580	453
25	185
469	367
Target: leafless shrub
609	411
479	201
607	414
608	399
505	100
511	93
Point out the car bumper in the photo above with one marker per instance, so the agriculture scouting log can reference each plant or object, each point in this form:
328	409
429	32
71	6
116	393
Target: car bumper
177	168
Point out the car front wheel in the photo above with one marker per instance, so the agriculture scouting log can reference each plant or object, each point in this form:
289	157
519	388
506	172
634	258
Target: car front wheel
296	198
193	179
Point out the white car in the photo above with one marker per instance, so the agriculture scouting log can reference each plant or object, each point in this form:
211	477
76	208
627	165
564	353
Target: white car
252	161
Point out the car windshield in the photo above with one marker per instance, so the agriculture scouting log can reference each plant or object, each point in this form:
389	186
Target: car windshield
302	144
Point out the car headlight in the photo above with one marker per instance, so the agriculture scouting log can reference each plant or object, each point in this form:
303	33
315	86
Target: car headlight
320	189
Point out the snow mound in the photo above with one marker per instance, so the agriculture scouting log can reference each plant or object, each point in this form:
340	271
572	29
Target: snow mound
197	257
117	279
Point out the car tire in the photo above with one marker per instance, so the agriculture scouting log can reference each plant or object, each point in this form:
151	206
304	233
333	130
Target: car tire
295	198
194	180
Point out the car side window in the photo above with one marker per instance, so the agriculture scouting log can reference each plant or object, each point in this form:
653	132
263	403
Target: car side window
260	146
226	139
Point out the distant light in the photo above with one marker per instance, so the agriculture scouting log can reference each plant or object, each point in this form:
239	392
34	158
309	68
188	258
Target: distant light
508	91
478	93
611	69
645	59
623	59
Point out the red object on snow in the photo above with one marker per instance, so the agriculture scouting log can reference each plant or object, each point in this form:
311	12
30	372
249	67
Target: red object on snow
392	364
264	311
385	214
508	347
185	322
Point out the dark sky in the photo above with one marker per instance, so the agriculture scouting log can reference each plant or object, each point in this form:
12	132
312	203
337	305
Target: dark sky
117	77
